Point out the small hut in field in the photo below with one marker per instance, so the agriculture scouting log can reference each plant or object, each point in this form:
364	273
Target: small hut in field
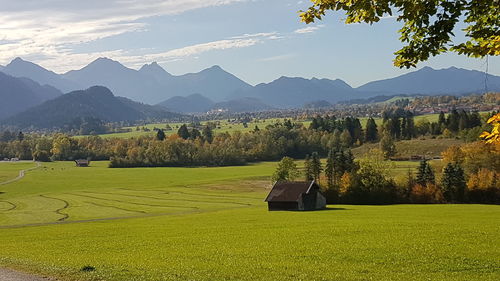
295	196
82	163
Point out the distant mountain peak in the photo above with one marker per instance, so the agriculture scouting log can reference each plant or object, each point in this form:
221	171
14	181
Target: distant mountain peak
213	69
153	68
17	60
105	61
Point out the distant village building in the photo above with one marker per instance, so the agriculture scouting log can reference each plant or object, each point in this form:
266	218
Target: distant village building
82	163
295	196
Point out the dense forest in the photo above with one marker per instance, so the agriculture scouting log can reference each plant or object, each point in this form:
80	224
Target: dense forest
194	147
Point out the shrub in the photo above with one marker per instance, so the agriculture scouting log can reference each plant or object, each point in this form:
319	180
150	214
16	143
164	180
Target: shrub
426	194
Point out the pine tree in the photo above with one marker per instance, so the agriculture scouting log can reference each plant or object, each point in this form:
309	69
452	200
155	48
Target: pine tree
404	128
329	170
410	183
183	132
425	174
429	174
208	134
160	135
194	134
316	166
308	169
371	132
441	119
453	183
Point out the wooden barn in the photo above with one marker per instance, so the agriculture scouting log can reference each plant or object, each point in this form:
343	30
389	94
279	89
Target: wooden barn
295	196
82	163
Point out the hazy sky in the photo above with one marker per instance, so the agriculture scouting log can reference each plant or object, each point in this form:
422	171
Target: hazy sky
257	40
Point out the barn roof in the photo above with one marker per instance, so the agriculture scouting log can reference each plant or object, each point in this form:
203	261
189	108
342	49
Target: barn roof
290	191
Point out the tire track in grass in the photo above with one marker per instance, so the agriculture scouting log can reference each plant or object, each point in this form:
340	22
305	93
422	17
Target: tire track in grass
59	211
114	207
193	194
12	205
133	203
167	199
147	215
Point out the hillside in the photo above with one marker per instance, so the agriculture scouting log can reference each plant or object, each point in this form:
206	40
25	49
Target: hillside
19	94
194	103
242	105
295	92
98	102
21	68
429	81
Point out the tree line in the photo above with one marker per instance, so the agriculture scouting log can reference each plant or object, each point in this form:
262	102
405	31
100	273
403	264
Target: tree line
469	175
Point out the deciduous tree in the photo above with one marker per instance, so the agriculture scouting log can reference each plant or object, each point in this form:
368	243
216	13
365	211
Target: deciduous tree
428	26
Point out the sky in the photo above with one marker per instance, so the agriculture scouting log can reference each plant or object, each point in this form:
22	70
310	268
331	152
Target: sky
256	40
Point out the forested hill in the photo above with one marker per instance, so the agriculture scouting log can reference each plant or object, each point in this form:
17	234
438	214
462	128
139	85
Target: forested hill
19	94
96	102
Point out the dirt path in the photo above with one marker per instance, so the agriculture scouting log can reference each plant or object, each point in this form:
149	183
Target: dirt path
12	275
20	176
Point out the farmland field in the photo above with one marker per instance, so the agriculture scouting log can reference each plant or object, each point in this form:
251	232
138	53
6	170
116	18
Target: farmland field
225	126
212	224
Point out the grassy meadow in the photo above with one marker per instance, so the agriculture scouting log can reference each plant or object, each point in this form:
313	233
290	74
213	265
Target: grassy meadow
212	224
224	127
229	127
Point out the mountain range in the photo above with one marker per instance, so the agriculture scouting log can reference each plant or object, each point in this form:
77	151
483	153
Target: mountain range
97	101
19	94
214	86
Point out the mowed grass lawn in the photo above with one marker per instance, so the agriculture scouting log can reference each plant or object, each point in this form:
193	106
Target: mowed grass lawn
10	170
212	224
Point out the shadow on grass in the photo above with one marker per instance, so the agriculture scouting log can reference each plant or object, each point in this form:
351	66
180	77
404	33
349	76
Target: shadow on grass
332	209
320	210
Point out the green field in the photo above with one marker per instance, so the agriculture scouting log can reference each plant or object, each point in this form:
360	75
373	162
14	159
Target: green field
212	224
406	148
224	126
229	127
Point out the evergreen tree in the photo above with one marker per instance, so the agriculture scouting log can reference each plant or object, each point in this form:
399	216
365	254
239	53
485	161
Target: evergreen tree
183	132
410	183
329	170
308	174
425	174
429	174
475	120
160	135
453	121
410	125
404	129
194	134
371	132
453	183
441	119
396	127
208	134
316	166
